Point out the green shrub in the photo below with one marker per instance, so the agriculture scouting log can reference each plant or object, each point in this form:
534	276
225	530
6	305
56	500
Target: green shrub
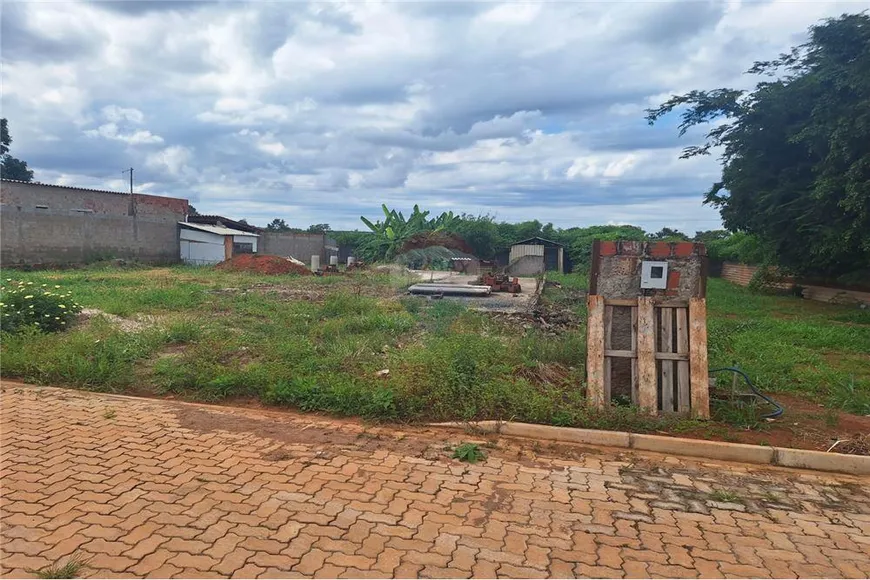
469	453
769	279
46	308
97	356
740	247
334	394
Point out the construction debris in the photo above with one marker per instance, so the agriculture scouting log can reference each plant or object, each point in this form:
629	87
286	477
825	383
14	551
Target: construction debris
500	282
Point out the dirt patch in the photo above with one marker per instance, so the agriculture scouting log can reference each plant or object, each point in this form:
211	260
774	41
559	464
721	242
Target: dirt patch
311	292
549	320
141	323
804	425
292	429
297	432
263	264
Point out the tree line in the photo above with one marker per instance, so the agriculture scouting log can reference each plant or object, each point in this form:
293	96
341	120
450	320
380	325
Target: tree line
488	237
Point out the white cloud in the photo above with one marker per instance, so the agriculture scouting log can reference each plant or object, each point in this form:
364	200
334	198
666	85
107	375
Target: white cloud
320	112
110	131
173	159
116	114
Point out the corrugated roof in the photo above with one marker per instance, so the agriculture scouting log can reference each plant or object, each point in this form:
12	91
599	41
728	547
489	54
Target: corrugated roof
63	186
537	239
217	230
215	219
5	180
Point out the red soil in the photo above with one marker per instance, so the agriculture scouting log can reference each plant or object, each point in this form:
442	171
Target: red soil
262	264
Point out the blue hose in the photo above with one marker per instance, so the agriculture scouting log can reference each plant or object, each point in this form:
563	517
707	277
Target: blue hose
778	408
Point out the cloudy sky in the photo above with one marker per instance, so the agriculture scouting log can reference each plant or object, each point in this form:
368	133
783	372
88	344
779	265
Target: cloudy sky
319	112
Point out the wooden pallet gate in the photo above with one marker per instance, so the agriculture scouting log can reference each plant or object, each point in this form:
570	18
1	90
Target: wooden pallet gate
650	348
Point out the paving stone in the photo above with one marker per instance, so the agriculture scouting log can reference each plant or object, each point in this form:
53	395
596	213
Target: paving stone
146	495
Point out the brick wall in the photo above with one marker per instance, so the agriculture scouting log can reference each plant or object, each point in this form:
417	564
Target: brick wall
616	269
49	224
741	274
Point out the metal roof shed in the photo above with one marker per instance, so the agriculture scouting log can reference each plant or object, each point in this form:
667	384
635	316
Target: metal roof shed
206	244
543	255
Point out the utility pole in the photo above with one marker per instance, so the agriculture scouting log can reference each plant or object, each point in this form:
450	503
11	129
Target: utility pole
130	171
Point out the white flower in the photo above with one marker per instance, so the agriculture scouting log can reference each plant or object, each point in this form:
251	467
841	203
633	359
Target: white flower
61	306
57	286
28	297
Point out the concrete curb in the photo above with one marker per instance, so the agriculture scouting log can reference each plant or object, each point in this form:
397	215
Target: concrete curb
779	456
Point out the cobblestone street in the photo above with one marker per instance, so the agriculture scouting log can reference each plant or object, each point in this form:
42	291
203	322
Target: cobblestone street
156	488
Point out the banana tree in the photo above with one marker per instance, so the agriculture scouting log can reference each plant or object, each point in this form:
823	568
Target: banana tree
391	234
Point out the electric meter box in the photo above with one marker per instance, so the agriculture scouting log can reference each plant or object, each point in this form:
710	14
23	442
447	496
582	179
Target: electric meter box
653	275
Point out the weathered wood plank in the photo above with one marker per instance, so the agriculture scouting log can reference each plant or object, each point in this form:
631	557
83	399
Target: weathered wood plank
661	302
616	353
700	389
683	383
608	343
646	355
667	346
634	393
595	351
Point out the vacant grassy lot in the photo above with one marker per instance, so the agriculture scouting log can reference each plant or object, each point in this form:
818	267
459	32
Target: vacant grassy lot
314	343
355	345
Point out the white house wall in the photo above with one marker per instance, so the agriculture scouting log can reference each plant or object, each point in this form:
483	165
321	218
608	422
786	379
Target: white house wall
242	239
201	236
201	248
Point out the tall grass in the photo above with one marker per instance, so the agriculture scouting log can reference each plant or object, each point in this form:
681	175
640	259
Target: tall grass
218	335
787	344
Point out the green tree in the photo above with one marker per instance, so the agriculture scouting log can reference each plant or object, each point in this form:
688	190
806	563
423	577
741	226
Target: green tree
278	225
318	228
707	236
795	150
669	235
10	167
481	233
392	233
579	240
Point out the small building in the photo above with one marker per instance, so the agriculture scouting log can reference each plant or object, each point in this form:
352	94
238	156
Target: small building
203	244
536	256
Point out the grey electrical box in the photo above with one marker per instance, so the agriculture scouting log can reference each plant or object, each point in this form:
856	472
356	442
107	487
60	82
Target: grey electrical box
654	275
